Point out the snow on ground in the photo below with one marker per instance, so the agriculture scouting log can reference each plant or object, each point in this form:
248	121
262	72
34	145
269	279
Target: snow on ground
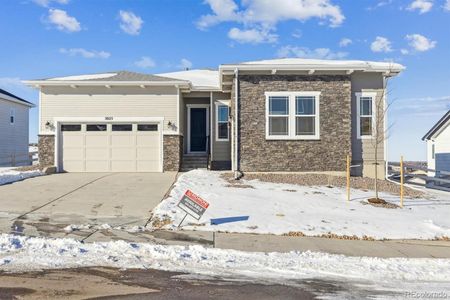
8	175
313	210
19	253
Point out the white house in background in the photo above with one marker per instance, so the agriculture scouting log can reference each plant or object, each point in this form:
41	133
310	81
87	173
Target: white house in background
14	113
438	145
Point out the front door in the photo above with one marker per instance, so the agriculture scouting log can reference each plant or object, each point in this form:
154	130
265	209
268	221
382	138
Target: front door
198	126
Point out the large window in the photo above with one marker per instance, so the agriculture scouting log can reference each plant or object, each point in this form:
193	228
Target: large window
365	106
222	116
292	115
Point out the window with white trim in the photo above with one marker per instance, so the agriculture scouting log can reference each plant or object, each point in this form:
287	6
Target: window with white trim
292	115
222	116
366	120
12	116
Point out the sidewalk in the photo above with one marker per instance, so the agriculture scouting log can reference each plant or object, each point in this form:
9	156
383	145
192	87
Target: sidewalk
274	243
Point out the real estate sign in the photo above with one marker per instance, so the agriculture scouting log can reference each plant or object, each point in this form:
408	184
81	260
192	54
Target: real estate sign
193	204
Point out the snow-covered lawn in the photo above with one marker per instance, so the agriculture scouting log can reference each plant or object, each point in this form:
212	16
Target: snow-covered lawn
19	253
8	175
311	210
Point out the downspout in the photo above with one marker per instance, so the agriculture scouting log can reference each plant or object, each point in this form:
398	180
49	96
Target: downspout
237	173
386	158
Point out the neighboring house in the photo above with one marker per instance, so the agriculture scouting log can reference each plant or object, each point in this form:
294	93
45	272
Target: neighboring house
438	145
293	115
14	113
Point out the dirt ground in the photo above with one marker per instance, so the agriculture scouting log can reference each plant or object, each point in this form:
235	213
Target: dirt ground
322	179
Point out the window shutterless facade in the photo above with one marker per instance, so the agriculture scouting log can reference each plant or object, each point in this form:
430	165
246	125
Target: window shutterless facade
222	117
292	115
365	105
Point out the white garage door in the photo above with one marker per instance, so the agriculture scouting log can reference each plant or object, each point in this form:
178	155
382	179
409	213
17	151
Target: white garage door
122	147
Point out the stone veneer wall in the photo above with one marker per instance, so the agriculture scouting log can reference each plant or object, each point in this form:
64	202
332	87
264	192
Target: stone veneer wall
46	150
173	152
256	154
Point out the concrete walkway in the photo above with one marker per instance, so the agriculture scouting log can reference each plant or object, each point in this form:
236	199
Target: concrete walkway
275	243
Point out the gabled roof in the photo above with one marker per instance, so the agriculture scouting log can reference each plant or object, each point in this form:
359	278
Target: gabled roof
440	124
200	79
316	64
113	78
11	97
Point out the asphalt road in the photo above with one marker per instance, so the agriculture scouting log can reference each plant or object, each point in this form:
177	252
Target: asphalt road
108	283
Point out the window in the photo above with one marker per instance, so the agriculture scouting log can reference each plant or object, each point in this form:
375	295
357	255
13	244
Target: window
122	127
365	105
292	115
12	116
96	127
433	151
222	116
147	127
71	127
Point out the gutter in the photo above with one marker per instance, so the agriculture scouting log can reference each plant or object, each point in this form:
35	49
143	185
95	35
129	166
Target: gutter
39	83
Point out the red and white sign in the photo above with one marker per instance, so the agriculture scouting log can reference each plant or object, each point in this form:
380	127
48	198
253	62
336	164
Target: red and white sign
193	205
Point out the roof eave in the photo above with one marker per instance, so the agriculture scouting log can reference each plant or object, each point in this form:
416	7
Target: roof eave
437	127
11	99
39	83
302	67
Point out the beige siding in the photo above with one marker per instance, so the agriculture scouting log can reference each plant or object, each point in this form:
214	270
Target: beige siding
221	149
363	150
13	137
109	102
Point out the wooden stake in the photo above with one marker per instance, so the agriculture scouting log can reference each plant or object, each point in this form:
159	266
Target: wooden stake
402	181
182	220
348	177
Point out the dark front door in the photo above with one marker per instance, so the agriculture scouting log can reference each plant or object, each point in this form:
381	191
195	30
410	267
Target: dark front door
198	129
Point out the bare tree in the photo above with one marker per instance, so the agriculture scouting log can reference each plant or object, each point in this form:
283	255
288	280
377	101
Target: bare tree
380	130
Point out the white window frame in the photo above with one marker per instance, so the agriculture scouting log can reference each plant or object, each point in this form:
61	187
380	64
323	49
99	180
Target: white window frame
360	95
217	105
292	115
12	114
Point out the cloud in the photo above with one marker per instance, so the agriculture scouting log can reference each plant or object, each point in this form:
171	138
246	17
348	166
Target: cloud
425	106
252	36
145	63
381	44
304	52
185	64
260	17
423	6
345	42
380	4
447	5
298	33
404	51
46	3
63	21
130	23
420	43
85	53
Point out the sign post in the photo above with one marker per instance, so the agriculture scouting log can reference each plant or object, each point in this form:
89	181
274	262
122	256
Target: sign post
192	205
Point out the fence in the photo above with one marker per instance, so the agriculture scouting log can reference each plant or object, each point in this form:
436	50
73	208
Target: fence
18	159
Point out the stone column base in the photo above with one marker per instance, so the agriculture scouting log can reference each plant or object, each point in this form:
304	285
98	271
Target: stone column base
46	150
173	152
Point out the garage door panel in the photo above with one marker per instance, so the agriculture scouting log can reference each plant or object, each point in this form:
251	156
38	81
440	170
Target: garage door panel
123	166
97	140
122	140
97	165
147	166
147	140
71	140
111	151
97	153
147	153
73	166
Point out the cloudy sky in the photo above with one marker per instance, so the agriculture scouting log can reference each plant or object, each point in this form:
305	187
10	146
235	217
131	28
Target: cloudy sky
49	38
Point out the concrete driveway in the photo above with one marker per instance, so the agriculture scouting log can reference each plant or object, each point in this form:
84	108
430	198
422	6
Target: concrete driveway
82	198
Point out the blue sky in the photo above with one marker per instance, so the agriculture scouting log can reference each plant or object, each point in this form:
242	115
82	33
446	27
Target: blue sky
49	38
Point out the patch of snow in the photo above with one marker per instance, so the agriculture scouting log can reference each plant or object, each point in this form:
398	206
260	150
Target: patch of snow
84	77
329	63
20	253
198	78
8	175
72	227
275	208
